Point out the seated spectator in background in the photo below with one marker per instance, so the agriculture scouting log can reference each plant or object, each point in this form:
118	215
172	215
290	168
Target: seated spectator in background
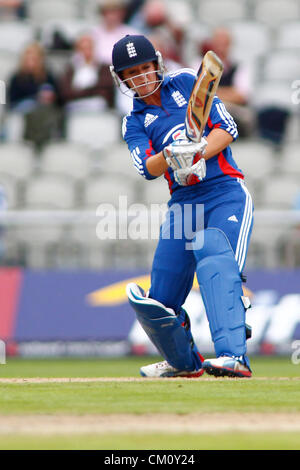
110	29
12	9
86	85
24	85
272	123
132	10
161	43
235	85
33	91
45	122
153	18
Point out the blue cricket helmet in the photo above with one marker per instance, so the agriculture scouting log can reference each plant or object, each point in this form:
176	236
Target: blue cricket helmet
132	50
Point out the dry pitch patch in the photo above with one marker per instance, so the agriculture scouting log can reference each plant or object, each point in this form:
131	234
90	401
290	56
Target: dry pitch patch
44	380
148	423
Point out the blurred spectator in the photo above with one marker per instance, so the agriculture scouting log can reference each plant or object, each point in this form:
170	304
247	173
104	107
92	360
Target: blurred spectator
110	29
272	122
161	43
133	9
154	18
45	122
33	91
86	85
12	9
235	86
24	85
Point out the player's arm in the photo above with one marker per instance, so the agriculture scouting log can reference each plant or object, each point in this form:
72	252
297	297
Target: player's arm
157	165
222	129
217	140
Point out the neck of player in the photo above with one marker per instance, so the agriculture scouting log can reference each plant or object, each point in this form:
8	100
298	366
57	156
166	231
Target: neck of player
154	99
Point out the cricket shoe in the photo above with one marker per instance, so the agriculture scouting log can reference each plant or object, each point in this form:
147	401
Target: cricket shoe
226	366
163	369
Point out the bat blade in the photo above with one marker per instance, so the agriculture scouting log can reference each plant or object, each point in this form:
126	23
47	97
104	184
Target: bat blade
202	95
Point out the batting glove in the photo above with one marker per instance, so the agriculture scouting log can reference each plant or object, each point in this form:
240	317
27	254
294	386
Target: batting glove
182	175
180	153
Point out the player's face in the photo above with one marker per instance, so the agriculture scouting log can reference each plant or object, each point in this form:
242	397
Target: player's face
142	78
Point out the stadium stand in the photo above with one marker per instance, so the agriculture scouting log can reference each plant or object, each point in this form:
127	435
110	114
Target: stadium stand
49	192
13	126
121	164
156	192
17	164
251	40
92	164
69	30
216	12
8	63
290	161
93	129
281	65
280	192
101	190
40	11
65	159
288	35
274	12
14	36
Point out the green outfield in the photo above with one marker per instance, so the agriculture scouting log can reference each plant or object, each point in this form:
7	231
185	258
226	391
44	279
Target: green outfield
104	404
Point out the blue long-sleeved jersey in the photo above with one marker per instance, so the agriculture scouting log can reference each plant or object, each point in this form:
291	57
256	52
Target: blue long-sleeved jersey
147	129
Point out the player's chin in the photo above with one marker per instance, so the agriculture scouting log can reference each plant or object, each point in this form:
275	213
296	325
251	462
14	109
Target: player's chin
146	90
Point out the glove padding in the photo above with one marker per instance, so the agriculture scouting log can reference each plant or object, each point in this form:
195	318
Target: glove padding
181	175
180	153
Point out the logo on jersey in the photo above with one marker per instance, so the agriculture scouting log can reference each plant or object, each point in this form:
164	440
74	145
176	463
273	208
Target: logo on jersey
149	118
179	99
233	218
131	50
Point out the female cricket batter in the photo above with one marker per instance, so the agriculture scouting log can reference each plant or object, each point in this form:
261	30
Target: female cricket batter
215	249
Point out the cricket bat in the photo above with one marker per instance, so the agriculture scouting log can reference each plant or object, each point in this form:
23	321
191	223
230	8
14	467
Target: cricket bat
202	95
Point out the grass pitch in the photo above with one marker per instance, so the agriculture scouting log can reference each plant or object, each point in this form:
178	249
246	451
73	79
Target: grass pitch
103	404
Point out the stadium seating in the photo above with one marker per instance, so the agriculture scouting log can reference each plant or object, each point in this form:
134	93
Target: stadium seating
251	40
256	160
40	11
281	65
274	12
116	159
8	64
280	192
93	129
156	191
288	36
290	162
17	160
272	93
14	36
13	126
265	240
11	191
65	159
17	164
93	165
45	192
103	190
89	9
217	12
69	28
180	12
